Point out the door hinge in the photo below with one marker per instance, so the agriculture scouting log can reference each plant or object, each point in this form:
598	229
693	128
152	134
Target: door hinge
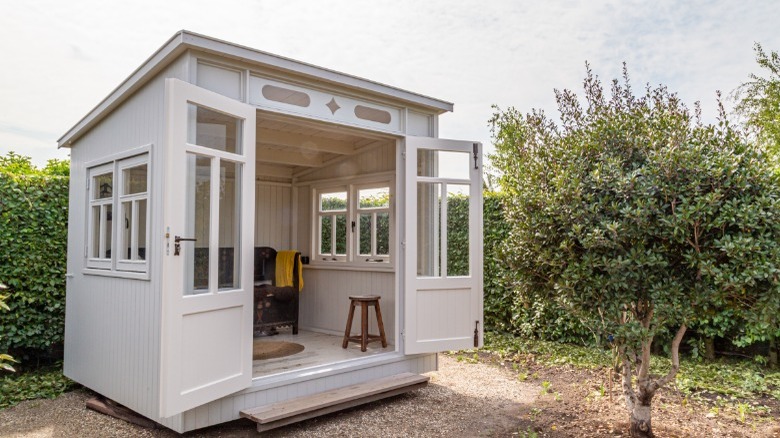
403	244
403	155
86	251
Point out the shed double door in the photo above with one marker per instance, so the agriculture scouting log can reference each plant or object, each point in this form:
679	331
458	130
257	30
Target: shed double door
442	241
206	345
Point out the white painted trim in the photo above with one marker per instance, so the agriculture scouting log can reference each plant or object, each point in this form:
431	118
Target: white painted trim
342	266
183	40
118	274
129	153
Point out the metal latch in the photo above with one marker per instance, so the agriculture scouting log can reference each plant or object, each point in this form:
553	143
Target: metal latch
476	334
177	245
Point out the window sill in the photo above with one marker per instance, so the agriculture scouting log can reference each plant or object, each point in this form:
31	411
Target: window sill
117	274
342	266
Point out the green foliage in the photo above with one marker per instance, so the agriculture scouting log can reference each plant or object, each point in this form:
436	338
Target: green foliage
639	221
42	383
33	237
758	100
728	378
5	359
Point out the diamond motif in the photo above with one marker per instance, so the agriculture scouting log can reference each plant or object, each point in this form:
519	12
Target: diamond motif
333	106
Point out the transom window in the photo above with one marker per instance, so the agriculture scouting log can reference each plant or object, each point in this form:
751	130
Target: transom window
117	225
353	224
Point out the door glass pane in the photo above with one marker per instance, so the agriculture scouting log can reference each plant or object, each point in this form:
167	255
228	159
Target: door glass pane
134	180
102	186
213	129
383	234
365	234
126	231
94	252
428	229
341	234
197	224
141	205
229	224
443	164
457	230
326	231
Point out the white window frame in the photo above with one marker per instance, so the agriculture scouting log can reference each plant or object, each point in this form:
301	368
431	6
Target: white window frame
319	214
93	261
113	266
133	264
352	259
373	257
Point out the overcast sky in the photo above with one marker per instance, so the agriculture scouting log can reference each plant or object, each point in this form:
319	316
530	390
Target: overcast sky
60	58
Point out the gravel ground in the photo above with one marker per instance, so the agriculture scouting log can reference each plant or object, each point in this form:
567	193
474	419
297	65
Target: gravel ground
462	399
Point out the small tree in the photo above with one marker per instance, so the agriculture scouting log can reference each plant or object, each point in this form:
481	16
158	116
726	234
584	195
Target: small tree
758	100
634	218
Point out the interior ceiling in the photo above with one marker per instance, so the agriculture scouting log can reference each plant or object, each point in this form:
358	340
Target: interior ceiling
292	145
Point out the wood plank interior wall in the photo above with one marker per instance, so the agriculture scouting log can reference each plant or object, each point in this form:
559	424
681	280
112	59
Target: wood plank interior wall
273	215
112	327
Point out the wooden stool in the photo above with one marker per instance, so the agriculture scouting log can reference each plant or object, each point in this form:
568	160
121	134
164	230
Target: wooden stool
364	338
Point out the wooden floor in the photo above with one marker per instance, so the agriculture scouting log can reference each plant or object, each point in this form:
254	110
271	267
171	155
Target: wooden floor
320	349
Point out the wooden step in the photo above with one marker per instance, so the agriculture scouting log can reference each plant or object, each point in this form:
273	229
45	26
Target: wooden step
302	408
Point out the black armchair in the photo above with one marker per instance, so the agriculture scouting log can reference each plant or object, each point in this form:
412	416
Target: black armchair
274	306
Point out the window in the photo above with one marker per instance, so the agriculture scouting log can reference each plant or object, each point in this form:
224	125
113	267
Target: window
118	219
353	224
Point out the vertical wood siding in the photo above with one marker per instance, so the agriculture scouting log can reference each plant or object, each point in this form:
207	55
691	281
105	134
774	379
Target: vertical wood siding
325	300
273	215
112	325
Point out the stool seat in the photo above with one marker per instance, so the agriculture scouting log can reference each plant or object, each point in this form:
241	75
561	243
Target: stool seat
364	338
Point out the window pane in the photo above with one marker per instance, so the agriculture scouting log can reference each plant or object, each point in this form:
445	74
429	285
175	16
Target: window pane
374	198
443	164
213	129
457	230
383	234
333	201
229	224
141	205
326	231
107	223
126	231
365	234
341	234
94	252
428	229
134	179
198	223
102	186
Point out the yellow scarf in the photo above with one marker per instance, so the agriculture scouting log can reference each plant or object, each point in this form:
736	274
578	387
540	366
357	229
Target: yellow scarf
285	263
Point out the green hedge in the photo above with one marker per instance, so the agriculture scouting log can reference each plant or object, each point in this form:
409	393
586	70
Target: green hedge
33	244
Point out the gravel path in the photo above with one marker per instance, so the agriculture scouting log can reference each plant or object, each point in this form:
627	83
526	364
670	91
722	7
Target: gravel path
462	399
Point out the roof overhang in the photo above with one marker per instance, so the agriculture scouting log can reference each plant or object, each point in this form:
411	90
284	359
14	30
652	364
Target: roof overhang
185	40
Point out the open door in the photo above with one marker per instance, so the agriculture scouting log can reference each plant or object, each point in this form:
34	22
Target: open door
443	245
206	348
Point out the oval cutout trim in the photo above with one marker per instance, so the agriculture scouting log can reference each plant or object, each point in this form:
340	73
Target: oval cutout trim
373	114
285	95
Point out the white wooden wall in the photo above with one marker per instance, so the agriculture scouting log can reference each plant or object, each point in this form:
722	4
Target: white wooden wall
273	215
112	325
228	408
325	300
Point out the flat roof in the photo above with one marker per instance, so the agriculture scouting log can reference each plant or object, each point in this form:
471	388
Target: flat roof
185	40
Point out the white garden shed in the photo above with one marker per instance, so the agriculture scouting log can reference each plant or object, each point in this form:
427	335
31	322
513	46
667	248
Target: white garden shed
210	151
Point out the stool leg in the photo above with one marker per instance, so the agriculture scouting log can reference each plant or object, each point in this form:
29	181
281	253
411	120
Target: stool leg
363	325
349	324
380	324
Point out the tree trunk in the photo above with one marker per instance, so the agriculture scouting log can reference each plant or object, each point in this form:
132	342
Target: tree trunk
709	348
640	421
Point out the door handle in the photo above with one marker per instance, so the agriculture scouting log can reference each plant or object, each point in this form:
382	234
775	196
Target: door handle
177	245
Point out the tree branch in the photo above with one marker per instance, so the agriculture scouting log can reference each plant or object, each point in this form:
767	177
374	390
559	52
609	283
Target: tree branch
675	360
